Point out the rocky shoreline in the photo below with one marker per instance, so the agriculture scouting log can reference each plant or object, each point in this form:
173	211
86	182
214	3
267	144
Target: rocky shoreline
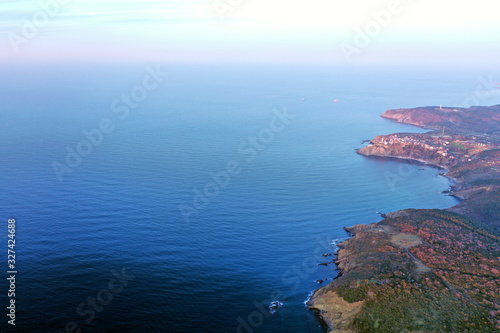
405	159
419	256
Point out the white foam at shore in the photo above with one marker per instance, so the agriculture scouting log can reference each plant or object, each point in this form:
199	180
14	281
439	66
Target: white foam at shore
309	295
336	241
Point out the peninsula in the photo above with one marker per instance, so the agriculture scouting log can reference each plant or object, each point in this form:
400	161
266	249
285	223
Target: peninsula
427	270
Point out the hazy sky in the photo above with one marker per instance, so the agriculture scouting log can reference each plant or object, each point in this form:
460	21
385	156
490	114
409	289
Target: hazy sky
252	30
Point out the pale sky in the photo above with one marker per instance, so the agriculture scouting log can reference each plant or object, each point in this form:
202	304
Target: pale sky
251	30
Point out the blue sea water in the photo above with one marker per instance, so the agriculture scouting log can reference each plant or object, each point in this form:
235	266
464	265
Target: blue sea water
256	238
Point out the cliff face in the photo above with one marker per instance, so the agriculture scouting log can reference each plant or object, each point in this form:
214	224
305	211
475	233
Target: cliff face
477	119
426	117
335	311
427	270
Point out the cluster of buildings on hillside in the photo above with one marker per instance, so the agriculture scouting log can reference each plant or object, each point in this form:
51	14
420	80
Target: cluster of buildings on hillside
460	148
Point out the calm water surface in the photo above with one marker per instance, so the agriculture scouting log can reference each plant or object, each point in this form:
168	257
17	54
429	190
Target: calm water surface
259	235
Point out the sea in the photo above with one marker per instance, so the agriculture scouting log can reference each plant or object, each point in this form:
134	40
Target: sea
180	197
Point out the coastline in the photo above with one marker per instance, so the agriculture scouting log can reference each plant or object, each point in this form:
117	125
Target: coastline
408	159
344	305
422	162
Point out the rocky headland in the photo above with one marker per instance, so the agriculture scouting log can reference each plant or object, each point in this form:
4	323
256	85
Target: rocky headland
427	270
